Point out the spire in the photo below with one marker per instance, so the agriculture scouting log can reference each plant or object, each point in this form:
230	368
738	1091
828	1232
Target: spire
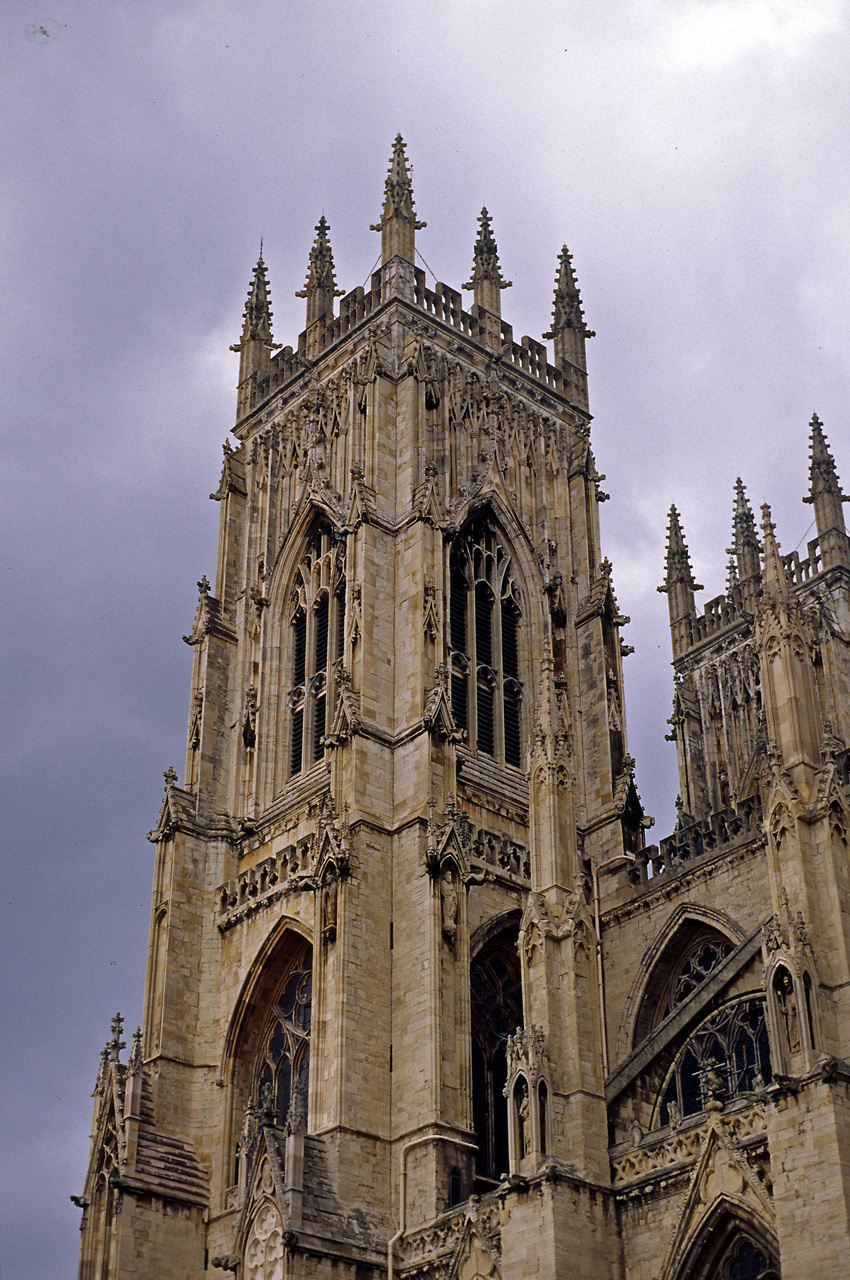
569	330
398	219
679	585
745	544
775	579
826	497
256	341
320	286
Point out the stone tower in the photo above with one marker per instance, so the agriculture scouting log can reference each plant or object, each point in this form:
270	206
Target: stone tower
419	1001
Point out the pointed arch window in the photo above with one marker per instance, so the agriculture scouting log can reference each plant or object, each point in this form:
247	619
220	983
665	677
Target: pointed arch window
728	1055
317	623
496	992
484	631
282	1067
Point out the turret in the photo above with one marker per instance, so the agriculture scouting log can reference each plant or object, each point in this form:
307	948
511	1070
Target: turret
320	287
398	225
569	332
256	341
745	544
826	497
487	283
679	586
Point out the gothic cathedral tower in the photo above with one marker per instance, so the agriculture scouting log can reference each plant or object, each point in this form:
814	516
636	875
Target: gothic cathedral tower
419	1001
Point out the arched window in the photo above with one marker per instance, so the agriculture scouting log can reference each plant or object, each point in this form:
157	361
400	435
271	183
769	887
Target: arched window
689	959
484	619
496	993
283	1062
316	646
733	1252
728	1054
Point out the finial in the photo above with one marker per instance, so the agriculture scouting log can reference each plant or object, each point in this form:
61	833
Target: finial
135	1063
261	249
767	524
116	1044
170	776
775	579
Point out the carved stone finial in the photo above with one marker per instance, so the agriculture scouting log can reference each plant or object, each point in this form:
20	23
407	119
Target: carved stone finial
116	1044
398	219
170	776
204	586
135	1062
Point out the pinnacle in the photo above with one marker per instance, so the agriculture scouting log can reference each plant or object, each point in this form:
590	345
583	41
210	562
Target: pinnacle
678	559
775	578
743	523
257	322
486	256
822	472
321	271
398	190
567	310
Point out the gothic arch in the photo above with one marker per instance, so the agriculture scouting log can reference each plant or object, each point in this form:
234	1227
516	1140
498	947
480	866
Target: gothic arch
684	925
306	656
496	1013
490	634
259	981
492	927
704	1254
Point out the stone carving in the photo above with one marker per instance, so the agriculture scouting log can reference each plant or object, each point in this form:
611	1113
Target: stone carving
264	1250
448	903
430	615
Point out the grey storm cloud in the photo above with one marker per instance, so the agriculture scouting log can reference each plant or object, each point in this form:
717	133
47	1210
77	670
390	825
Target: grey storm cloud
692	153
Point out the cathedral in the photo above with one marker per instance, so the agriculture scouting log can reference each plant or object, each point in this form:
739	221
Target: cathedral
421	1001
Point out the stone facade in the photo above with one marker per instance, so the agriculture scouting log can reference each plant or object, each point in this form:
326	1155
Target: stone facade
420	1000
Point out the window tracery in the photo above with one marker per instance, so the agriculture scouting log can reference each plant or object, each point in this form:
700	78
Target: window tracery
282	1067
316	646
496	993
484	624
728	1055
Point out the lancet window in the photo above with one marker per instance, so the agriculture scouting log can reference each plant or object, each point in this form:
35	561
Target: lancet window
728	1055
496	993
283	1063
316	646
484	626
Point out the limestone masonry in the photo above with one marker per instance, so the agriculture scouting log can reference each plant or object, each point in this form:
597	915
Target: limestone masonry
420	1000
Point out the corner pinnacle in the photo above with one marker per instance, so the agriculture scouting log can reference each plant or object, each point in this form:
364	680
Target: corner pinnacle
567	312
398	219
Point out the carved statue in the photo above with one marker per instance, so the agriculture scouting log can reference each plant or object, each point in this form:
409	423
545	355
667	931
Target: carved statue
523	1120
448	903
329	907
787	1000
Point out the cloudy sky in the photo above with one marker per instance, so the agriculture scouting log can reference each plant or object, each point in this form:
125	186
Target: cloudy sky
693	155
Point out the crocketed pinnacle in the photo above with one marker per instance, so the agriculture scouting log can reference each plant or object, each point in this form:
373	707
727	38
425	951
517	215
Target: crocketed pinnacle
678	559
774	577
822	472
321	277
398	205
745	543
257	323
485	265
567	312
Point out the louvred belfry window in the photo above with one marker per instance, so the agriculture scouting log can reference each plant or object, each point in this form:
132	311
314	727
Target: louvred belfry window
484	630
316	646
